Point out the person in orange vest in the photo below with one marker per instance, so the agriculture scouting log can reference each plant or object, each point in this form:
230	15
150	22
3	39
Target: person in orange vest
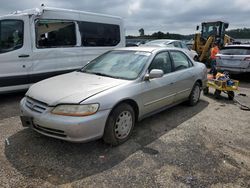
214	50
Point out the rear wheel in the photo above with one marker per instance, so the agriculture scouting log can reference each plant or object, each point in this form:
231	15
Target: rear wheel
217	93
230	95
194	96
119	125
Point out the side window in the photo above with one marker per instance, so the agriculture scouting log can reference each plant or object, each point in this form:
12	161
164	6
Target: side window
184	45
11	35
180	60
99	34
161	61
177	44
55	33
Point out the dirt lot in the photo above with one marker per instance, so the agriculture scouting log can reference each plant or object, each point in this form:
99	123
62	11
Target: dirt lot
203	146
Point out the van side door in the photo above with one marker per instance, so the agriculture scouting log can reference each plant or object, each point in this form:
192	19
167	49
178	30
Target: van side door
55	48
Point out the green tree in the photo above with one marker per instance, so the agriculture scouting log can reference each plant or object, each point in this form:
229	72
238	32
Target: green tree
141	31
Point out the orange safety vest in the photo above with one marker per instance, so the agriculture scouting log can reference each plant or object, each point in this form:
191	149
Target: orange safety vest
214	51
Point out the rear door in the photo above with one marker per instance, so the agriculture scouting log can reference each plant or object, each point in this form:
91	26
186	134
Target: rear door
184	74
15	62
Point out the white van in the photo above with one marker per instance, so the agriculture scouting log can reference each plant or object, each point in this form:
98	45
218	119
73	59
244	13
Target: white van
39	43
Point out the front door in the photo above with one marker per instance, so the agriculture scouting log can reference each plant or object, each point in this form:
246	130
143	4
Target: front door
15	49
157	92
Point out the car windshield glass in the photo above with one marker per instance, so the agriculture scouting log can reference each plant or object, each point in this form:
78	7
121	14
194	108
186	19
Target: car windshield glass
11	35
118	64
235	51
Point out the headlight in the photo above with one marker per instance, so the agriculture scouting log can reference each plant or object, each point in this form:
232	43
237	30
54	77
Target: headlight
75	110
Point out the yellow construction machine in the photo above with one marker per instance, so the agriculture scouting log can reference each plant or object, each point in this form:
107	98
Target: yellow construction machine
211	32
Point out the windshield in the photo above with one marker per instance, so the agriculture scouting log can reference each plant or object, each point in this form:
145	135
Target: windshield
11	35
235	51
209	29
118	64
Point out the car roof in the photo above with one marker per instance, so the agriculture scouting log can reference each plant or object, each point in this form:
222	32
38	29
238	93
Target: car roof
163	40
237	45
145	48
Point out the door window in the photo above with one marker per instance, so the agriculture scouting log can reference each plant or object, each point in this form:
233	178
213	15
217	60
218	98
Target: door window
177	44
161	61
55	33
11	35
180	60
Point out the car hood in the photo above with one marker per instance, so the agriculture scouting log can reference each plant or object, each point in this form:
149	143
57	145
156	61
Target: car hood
71	88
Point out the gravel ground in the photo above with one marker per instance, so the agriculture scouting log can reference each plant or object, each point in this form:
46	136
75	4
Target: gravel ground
203	146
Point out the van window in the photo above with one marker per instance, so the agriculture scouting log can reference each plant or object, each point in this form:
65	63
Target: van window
55	33
11	35
99	34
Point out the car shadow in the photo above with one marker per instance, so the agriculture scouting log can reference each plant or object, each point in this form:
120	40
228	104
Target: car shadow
9	104
60	162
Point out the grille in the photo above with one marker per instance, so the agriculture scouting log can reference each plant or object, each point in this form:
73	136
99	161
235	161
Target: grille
35	105
50	131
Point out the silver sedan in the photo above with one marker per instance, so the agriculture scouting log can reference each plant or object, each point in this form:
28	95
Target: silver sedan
106	97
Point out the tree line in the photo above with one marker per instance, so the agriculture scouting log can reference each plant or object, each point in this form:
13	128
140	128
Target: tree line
239	33
235	33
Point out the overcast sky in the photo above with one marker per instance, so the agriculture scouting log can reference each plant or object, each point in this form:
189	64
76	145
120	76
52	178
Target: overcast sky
175	16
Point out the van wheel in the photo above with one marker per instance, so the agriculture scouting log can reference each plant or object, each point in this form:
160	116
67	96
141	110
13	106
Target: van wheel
119	125
194	96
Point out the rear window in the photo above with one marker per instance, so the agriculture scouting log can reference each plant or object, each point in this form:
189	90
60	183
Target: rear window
235	51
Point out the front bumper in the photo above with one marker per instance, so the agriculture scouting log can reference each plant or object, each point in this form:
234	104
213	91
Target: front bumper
73	129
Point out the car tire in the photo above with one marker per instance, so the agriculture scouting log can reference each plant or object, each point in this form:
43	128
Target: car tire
230	95
119	125
217	94
194	96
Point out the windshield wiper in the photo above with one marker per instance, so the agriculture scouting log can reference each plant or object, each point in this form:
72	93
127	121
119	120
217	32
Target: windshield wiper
100	74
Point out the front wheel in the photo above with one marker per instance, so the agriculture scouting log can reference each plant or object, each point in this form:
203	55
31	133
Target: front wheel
119	125
194	96
230	95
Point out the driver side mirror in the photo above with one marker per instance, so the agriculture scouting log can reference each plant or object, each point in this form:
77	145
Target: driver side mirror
154	73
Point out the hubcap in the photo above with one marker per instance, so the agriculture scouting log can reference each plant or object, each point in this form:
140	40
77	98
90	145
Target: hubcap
196	94
123	125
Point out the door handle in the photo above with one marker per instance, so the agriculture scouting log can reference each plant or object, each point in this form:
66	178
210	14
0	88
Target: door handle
23	55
